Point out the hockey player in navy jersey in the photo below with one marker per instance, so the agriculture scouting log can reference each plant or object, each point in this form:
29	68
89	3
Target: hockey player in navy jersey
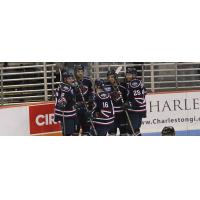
65	111
103	110
135	100
85	85
118	94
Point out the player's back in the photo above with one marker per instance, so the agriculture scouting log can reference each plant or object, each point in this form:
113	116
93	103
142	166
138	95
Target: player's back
103	110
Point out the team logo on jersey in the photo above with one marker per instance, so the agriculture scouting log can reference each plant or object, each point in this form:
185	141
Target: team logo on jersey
62	102
135	84
66	88
103	95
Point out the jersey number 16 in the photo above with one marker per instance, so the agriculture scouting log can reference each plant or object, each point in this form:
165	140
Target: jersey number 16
105	104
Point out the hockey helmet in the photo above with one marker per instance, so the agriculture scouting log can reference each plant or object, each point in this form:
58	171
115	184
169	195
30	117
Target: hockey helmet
66	74
99	83
131	70
78	67
111	72
168	131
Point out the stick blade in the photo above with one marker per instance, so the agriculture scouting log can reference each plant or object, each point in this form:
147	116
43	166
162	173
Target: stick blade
119	69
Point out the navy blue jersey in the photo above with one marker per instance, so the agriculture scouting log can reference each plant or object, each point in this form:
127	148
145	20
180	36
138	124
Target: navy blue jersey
126	85
103	110
116	98
65	101
136	96
86	88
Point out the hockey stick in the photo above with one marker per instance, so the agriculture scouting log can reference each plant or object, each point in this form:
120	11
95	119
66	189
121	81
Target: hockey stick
85	105
119	69
63	117
63	123
60	75
127	115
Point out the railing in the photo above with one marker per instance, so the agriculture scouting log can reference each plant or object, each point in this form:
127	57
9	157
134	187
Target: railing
30	83
36	83
158	76
27	83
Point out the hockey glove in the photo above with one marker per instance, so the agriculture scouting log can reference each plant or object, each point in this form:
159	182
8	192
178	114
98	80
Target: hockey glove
125	106
79	105
88	115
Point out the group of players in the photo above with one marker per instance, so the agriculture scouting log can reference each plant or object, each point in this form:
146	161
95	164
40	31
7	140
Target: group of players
101	111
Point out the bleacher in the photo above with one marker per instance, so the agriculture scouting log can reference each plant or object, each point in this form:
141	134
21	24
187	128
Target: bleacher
35	82
157	76
25	82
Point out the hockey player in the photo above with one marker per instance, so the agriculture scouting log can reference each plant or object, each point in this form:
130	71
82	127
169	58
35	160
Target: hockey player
65	111
136	103
85	84
118	95
103	110
168	131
